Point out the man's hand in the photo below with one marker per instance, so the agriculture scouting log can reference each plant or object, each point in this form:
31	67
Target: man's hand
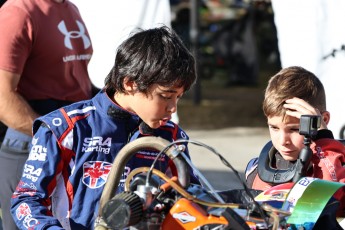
15	112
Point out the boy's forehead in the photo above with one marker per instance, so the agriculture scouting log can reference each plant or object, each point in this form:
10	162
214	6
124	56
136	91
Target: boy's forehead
283	119
170	89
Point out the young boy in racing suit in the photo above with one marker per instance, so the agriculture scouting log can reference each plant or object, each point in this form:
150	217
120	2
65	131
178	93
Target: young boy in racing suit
73	148
293	92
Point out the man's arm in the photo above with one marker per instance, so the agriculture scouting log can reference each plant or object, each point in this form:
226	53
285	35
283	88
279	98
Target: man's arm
15	111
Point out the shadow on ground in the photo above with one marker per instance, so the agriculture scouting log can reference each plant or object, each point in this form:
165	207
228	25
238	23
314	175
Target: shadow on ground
223	180
222	106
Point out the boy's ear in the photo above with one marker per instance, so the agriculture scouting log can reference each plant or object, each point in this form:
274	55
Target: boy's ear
326	116
129	85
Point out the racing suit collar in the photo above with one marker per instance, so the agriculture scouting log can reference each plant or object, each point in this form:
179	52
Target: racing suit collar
111	109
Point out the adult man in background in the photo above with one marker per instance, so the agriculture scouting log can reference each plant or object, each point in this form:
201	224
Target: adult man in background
45	50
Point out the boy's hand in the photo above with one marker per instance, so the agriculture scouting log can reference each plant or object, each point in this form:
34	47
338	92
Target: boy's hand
297	107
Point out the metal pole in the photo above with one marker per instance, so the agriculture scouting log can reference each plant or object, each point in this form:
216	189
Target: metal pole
194	35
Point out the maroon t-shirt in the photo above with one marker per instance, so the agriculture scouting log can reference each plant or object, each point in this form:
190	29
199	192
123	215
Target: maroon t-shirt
47	43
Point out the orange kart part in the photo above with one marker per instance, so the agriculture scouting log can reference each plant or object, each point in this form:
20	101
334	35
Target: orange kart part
188	215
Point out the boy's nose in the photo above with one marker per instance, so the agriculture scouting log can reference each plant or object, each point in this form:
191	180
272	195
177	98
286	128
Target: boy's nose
284	139
172	107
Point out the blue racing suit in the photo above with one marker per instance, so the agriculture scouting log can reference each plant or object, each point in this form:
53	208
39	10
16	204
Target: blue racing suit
71	155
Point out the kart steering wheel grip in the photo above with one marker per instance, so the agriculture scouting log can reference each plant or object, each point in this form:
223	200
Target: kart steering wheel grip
127	152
